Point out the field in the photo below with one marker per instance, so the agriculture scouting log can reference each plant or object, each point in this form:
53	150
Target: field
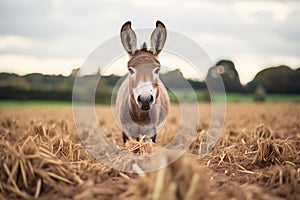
256	157
201	95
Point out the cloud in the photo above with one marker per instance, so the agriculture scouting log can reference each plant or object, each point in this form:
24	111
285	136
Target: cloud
59	32
63	47
248	64
29	64
15	42
251	11
200	6
153	3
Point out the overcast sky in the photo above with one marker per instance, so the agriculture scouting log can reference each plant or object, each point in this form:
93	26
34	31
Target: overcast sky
53	36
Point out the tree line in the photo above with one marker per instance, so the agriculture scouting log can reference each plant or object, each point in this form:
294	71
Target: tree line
274	80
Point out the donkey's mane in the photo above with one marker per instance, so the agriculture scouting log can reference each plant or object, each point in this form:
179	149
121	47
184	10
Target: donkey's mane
144	47
143	56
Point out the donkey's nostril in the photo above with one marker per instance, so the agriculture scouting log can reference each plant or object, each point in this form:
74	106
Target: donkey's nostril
151	99
139	99
145	101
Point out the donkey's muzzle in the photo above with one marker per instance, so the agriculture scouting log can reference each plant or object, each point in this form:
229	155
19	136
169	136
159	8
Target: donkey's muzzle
145	101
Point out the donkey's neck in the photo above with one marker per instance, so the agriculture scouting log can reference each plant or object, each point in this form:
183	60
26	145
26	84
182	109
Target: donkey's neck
137	115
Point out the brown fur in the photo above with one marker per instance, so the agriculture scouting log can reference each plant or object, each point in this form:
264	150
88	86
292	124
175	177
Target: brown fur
125	100
141	58
134	117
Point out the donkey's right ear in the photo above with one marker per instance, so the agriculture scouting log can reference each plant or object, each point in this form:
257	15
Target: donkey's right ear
128	38
158	38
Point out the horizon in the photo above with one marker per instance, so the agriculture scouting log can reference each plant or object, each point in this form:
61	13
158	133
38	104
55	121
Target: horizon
163	73
54	37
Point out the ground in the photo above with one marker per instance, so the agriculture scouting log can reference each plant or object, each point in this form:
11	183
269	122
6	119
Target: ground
256	157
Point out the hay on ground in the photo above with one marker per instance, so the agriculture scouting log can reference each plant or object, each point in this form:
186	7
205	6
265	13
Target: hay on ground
263	131
279	175
140	146
28	170
270	152
195	147
183	179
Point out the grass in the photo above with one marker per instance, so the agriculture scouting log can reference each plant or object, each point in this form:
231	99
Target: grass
36	103
230	97
237	97
283	98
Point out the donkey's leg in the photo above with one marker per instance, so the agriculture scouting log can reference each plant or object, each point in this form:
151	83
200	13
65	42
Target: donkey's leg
125	137
153	133
154	115
153	138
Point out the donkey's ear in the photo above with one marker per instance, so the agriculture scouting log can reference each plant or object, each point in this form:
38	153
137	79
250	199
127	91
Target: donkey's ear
158	38
128	38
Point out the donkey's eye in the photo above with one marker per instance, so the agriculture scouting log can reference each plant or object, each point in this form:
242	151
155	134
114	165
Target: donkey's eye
156	70
131	71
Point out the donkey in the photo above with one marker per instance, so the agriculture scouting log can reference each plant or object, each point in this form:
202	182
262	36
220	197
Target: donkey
142	101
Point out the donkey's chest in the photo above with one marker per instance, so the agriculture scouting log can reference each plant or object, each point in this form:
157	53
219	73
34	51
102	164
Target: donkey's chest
135	130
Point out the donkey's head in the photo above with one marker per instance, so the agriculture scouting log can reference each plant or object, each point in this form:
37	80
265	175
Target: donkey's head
143	65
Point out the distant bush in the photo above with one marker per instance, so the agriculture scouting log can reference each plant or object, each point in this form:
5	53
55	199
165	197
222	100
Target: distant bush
259	94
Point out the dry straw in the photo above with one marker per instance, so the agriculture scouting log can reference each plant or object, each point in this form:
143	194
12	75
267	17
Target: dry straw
27	169
274	151
278	175
183	179
44	159
66	149
195	147
263	131
140	146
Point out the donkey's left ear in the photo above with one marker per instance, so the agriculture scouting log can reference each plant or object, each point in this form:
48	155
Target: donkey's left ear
128	38
158	38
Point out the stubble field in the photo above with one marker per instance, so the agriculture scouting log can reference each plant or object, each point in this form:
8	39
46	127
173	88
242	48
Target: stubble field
256	157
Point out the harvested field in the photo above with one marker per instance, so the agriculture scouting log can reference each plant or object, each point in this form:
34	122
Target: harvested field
256	157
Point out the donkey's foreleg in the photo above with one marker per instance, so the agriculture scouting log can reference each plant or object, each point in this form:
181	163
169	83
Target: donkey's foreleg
153	138
154	116
151	133
126	133
125	137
